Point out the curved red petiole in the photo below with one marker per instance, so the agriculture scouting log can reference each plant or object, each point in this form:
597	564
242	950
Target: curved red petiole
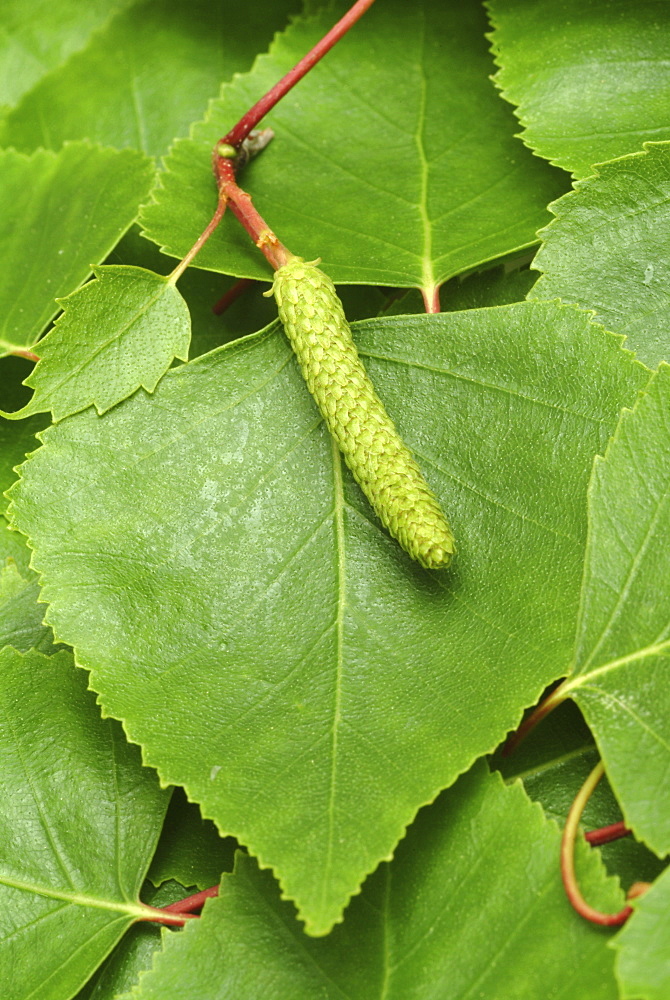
568	860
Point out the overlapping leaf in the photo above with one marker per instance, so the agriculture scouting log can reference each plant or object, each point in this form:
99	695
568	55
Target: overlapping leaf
621	663
590	81
59	213
143	79
117	333
80	819
482	857
443	187
190	850
607	250
643	962
20	614
37	36
266	643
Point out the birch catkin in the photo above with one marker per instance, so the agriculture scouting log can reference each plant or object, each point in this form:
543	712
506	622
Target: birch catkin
382	465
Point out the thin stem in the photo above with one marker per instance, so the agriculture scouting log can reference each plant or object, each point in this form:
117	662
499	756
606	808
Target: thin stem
568	858
201	240
255	114
191	903
243	208
546	706
162	916
23	352
606	834
431	299
232	295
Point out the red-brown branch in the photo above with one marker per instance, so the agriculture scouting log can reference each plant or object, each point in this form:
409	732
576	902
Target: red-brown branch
254	115
192	903
606	834
232	295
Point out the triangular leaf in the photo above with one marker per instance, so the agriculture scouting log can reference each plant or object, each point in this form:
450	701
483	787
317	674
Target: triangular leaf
220	566
84	198
421	203
606	250
79	822
116	334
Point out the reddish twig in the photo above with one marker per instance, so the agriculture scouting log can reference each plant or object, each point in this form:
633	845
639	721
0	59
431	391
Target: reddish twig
546	706
606	834
192	903
568	859
232	295
243	208
200	242
254	115
23	352
162	916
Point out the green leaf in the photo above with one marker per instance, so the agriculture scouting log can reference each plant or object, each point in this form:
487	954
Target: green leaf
419	204
79	822
606	250
190	850
619	676
643	962
116	334
218	560
495	287
449	917
84	198
590	81
36	36
143	79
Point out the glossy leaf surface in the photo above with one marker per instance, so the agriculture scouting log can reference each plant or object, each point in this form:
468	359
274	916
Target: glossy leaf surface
268	645
606	250
59	213
590	81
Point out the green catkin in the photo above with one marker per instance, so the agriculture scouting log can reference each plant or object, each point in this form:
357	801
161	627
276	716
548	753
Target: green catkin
382	465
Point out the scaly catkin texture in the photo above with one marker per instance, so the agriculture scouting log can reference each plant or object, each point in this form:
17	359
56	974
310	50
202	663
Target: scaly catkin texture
382	465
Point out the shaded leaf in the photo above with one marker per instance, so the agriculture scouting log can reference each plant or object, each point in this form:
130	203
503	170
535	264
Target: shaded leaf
36	36
220	566
590	81
146	76
643	961
116	334
190	849
16	439
84	198
480	867
419	204
20	614
79	822
619	677
606	250
553	762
